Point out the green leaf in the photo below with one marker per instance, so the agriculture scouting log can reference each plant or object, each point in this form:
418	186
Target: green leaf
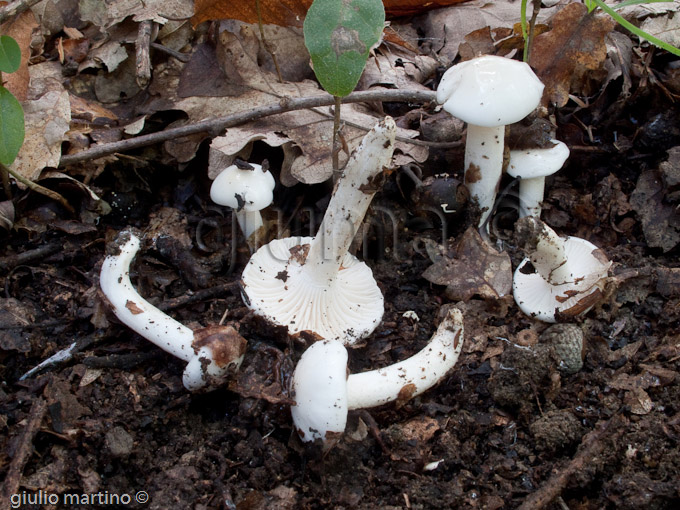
339	35
11	126
10	54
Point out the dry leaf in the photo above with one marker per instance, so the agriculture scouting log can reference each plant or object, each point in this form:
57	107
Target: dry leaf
477	269
666	28
21	29
446	29
47	114
107	14
292	12
574	47
660	220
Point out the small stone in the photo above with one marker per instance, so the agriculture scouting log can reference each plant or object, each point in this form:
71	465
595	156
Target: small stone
119	442
566	346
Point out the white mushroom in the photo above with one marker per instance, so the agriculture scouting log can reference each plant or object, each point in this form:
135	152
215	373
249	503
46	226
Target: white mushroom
532	166
488	92
247	188
324	393
211	353
561	277
314	283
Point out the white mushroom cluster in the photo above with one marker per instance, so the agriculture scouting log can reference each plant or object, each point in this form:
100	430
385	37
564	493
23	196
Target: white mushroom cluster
488	93
315	284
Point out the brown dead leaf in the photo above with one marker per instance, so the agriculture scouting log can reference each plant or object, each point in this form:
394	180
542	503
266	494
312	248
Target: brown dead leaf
660	220
47	114
445	29
477	269
566	55
292	12
21	29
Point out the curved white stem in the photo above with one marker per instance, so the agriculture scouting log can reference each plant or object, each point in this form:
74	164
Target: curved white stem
135	311
413	376
211	353
351	198
483	165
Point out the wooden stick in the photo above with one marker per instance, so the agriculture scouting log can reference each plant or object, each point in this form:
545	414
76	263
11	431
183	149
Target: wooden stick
23	452
217	125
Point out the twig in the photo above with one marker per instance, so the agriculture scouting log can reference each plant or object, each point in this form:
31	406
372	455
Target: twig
591	445
218	124
335	154
23	452
201	295
26	257
33	186
11	10
142	54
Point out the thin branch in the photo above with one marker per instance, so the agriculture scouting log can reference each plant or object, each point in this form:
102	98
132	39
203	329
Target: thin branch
217	125
23	451
33	186
15	8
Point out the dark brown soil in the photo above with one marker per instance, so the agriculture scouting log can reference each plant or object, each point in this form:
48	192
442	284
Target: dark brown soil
504	425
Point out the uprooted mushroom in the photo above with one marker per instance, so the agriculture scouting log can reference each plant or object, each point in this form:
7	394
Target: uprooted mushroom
212	353
324	393
314	284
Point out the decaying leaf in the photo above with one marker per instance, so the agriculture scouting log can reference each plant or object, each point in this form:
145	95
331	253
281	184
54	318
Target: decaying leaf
107	14
666	28
565	56
292	12
660	220
47	114
476	269
445	29
21	29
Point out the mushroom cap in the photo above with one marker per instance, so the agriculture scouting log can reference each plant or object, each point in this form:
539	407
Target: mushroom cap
490	91
538	298
243	189
532	163
276	287
320	391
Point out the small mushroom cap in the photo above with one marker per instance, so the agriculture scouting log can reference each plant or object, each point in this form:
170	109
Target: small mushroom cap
347	308
539	298
320	391
243	189
490	91
532	163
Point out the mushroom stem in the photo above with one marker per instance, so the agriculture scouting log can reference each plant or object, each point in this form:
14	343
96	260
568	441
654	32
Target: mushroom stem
483	165
249	221
546	251
352	195
530	196
413	376
211	353
135	311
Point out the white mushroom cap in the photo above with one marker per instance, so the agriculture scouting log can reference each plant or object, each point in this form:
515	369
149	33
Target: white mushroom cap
561	277
532	163
490	91
243	189
347	308
320	391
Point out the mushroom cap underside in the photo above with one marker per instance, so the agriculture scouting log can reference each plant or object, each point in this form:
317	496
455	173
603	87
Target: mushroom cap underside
490	91
278	288
539	298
